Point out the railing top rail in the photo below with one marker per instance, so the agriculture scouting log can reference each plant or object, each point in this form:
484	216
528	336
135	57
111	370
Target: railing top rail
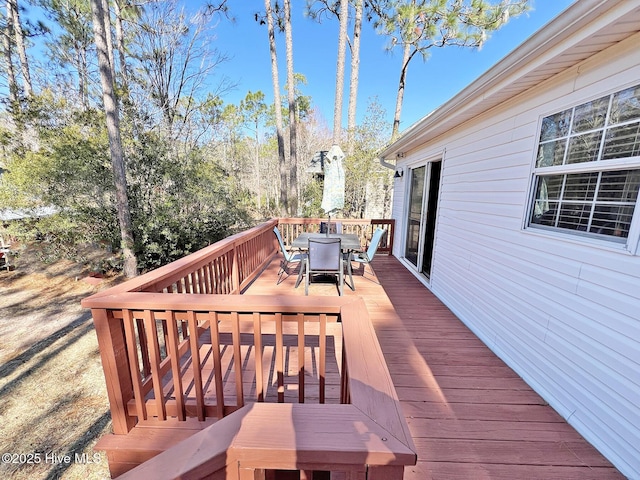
211	303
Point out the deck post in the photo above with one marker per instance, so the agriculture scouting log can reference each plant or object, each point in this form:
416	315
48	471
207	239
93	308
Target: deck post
251	473
385	472
113	353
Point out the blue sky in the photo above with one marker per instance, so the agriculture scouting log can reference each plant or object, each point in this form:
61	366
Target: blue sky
429	84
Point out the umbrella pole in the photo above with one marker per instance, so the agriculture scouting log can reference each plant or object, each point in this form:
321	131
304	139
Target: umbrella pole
329	224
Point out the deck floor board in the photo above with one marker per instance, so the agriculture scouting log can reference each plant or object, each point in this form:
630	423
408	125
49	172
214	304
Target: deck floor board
470	415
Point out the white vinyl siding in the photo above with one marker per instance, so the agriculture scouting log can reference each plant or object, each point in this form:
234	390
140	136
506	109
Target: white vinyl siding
561	310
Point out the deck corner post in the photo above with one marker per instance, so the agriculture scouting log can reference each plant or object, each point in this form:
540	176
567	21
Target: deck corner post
115	364
245	473
385	472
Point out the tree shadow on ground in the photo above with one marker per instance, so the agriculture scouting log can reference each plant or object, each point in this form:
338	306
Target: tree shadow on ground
79	327
75	450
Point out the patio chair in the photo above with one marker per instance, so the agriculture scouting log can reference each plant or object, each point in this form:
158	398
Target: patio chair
324	257
366	257
287	256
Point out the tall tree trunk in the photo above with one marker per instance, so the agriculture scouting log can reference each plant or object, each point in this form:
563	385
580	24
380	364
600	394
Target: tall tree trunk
107	28
22	52
8	55
342	47
292	193
355	68
277	103
115	143
257	159
406	57
83	77
120	46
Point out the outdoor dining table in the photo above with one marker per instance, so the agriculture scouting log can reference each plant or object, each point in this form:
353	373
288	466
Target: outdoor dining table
348	242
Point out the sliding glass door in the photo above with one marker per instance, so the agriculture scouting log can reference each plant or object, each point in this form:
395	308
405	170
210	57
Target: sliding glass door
424	189
416	192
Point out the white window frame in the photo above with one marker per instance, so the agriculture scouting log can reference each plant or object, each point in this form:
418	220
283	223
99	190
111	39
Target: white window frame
630	243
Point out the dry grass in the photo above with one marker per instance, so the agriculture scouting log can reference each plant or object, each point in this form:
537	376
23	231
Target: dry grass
53	400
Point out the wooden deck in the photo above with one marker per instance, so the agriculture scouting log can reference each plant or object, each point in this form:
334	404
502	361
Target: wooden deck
470	415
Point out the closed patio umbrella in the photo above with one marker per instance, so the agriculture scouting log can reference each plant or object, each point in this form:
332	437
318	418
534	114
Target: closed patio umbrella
333	192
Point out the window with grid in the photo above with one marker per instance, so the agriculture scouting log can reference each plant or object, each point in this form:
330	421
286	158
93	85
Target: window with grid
587	171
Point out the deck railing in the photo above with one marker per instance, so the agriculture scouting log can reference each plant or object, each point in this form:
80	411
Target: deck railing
171	350
364	228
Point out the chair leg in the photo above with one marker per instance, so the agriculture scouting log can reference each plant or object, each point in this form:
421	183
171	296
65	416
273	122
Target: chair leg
306	279
341	278
372	274
283	267
301	273
352	285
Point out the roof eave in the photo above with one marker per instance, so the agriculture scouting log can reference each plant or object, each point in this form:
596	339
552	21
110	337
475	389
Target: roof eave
551	39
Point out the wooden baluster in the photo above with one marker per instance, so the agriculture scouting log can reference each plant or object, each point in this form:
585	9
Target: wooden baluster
195	363
172	348
322	367
144	348
237	358
217	364
203	279
224	277
279	358
197	281
207	279
239	266
301	357
226	274
165	338
154	354
257	342
184	328
344	378
215	277
134	364
235	272
194	281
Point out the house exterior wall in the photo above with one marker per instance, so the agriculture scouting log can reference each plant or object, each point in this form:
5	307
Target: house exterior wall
562	311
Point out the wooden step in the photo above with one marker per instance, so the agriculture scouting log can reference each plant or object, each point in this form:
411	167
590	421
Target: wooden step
145	441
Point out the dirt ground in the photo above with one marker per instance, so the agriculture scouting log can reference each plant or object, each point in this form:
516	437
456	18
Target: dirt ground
53	400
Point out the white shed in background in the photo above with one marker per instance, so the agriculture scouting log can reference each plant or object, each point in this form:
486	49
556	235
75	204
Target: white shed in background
517	205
